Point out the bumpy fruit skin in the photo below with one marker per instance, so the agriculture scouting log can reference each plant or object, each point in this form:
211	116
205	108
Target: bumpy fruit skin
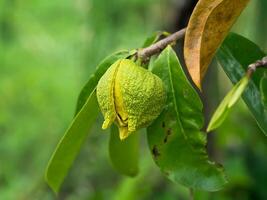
130	96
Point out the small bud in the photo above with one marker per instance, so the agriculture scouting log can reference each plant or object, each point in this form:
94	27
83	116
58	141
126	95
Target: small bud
130	96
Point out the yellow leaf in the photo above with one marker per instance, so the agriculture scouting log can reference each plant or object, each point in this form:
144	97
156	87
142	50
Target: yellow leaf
209	24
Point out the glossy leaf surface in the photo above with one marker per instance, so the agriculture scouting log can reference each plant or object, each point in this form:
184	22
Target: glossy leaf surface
175	139
235	54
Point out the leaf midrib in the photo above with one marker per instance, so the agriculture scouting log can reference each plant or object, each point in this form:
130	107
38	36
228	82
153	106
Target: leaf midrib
174	97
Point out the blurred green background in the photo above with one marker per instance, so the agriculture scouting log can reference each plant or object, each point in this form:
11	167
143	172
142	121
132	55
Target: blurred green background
48	50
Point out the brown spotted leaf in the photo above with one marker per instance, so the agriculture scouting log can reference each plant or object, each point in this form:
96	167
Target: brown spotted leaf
208	26
175	139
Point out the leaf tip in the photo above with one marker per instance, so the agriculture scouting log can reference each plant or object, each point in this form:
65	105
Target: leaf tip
198	84
133	173
210	128
54	187
49	177
194	76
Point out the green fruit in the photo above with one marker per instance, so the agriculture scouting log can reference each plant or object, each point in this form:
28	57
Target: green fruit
130	96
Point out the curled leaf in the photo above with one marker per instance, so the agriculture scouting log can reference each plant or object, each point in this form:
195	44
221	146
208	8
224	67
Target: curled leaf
230	99
208	26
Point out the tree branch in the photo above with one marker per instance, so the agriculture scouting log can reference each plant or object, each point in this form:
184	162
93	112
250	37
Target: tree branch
258	64
145	53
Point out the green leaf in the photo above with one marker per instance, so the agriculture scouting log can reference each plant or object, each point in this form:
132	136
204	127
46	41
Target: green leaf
238	89
86	113
154	38
124	153
230	99
235	54
151	39
70	144
94	78
263	87
175	139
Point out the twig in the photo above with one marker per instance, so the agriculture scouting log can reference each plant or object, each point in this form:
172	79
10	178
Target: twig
145	53
258	64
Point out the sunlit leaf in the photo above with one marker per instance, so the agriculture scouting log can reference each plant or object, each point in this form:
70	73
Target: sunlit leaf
230	99
124	153
94	78
209	24
175	139
70	144
235	54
